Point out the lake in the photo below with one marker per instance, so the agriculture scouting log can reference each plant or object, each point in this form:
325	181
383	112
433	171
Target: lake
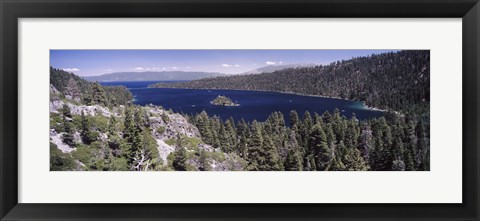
254	105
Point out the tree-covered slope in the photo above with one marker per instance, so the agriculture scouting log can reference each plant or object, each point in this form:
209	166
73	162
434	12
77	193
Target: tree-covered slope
395	81
75	88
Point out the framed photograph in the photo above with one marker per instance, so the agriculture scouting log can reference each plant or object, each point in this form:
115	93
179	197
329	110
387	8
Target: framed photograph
227	110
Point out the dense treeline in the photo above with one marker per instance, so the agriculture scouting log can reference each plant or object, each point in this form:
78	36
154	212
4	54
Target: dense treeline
89	93
397	81
321	142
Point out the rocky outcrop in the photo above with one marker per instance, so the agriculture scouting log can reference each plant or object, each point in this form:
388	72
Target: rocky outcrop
164	150
57	105
174	124
56	138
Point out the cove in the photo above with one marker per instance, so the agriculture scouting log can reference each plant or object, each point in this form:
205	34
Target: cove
254	105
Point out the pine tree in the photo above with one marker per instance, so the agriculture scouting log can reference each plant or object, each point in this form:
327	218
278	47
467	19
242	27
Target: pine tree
353	160
114	141
224	140
128	125
72	90
382	156
317	119
255	156
136	132
327	117
294	156
365	141
112	126
88	136
98	94
339	125
398	165
338	157
205	127
203	161
68	127
423	153
241	147
319	148
411	151
180	159
307	124
294	118
231	134
352	132
269	156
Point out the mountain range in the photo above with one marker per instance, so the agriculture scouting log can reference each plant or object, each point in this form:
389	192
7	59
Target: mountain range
153	76
181	75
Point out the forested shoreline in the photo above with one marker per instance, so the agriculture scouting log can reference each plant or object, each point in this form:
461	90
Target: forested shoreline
396	81
95	127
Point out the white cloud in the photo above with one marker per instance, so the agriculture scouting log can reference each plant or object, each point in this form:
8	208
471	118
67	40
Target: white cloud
160	68
71	69
230	65
273	62
109	70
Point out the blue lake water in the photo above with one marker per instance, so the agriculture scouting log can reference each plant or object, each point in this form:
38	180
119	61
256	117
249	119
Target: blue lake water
254	105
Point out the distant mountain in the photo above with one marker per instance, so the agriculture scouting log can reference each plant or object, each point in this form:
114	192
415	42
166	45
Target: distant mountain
273	68
153	76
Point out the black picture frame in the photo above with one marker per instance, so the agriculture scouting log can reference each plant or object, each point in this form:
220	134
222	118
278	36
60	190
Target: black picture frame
12	10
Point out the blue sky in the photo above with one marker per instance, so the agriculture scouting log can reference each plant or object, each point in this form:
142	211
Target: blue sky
97	62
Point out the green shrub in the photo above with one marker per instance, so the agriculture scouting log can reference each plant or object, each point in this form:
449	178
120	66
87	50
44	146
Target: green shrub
118	164
56	122
217	156
90	137
170	158
161	130
171	142
60	161
165	117
99	122
191	143
84	154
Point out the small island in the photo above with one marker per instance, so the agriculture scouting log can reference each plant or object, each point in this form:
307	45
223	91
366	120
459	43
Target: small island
223	101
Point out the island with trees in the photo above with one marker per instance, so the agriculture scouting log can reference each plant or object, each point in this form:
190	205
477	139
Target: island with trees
221	100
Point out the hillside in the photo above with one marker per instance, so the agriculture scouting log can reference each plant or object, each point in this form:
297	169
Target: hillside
153	76
272	68
96	128
395	81
71	87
